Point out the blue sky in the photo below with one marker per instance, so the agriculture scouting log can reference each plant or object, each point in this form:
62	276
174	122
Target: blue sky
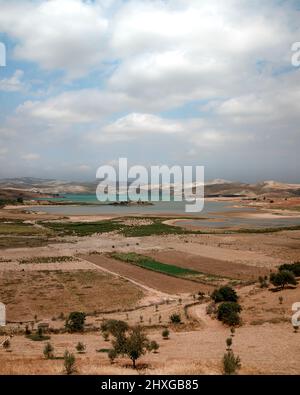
160	82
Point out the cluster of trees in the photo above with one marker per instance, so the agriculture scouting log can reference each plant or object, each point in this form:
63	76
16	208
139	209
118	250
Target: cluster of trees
229	309
286	275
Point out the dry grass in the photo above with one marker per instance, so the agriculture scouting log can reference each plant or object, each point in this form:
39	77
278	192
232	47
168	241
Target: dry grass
48	293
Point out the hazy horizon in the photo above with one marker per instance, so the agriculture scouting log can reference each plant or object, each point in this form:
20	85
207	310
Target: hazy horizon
176	82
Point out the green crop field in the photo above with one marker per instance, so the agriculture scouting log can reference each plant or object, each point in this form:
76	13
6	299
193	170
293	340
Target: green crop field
151	264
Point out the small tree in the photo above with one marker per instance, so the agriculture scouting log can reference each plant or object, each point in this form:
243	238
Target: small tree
263	281
80	347
231	363
292	267
69	362
115	327
165	334
75	322
6	344
232	331
175	318
134	344
153	346
283	278
229	343
48	351
224	294
228	313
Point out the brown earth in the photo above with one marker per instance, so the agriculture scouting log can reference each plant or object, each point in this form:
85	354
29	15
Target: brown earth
158	281
208	265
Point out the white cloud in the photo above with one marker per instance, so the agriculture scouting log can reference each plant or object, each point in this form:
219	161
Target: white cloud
80	106
14	83
57	34
31	157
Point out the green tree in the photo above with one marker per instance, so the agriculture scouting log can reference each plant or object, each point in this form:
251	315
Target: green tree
165	333
228	313
283	278
153	346
224	294
75	322
175	318
80	347
133	344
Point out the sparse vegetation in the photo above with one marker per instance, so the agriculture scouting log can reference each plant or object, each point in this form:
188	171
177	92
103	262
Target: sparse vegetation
175	318
48	351
80	347
165	333
231	363
69	363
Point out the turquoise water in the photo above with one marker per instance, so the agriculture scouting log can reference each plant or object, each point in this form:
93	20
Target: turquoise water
212	210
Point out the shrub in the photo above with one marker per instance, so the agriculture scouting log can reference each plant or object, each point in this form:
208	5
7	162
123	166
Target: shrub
80	347
229	343
75	322
153	346
283	278
231	363
228	313
211	308
292	267
69	362
224	294
175	318
263	281
6	344
165	333
105	335
48	351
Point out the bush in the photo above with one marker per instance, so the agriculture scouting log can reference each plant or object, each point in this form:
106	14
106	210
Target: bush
231	363
292	267
175	318
228	313
48	351
224	294
283	278
80	347
105	335
263	281
75	322
165	333
69	362
153	346
6	344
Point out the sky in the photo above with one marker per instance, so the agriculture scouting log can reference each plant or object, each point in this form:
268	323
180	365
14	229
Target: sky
166	82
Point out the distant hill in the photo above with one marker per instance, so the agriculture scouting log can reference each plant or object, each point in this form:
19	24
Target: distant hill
32	187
